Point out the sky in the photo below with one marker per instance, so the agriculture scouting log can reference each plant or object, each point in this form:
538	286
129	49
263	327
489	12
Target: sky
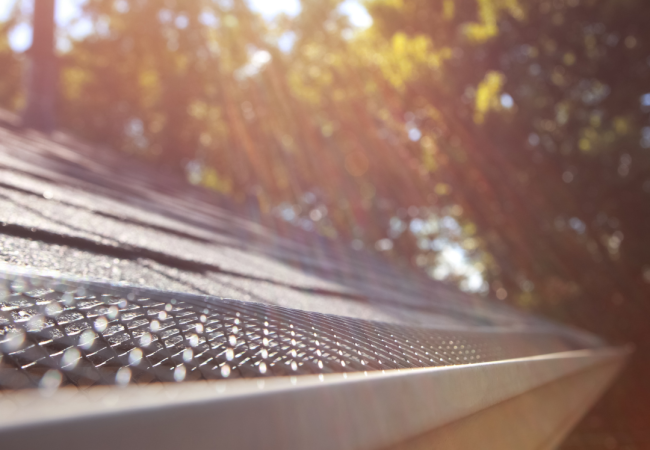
68	10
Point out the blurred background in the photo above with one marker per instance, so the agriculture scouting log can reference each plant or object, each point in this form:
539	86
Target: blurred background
499	145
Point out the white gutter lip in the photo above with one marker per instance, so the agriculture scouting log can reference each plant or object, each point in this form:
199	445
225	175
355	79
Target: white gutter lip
452	392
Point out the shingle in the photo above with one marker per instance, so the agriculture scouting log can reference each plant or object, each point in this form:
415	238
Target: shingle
93	213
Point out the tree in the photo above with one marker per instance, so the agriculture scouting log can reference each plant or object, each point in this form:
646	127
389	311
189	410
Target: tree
551	159
11	79
42	76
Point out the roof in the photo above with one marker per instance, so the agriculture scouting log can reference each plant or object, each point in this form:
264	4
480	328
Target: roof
91	212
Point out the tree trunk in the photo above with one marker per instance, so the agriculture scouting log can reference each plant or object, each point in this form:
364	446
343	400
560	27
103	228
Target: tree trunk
42	71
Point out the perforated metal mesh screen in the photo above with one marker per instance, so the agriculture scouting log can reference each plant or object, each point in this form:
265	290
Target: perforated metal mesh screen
55	332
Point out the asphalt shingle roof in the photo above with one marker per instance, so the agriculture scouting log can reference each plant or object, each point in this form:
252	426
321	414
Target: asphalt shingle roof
91	212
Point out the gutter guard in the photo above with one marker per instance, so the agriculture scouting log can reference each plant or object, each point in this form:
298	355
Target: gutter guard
123	367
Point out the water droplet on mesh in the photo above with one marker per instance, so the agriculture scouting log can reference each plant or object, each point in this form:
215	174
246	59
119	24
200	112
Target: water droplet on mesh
123	376
199	328
203	319
154	326
230	354
265	342
68	298
168	307
264	353
321	377
50	382
235	330
14	341
232	340
179	373
343	363
265	331
194	340
262	367
53	309
294	366
135	356
294	353
188	354
100	323
35	323
87	339
70	358
113	312
320	364
225	371
145	340
293	342
18	285
162	315
122	303
237	321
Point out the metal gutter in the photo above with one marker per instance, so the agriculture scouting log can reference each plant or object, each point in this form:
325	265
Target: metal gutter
344	411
